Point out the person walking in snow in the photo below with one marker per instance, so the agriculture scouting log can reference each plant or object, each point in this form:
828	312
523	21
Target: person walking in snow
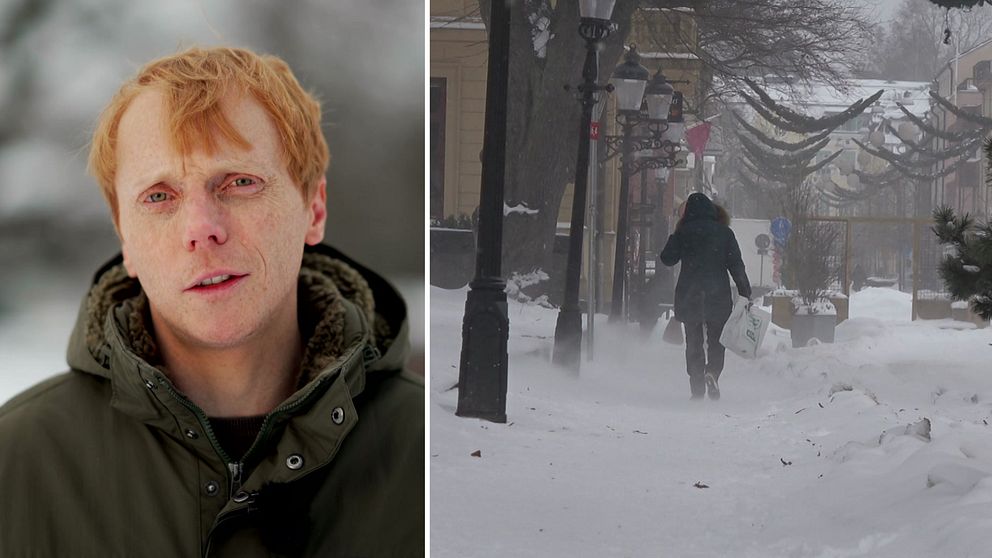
707	248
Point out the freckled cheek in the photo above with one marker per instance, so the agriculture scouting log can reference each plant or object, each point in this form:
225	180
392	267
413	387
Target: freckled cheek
149	251
278	237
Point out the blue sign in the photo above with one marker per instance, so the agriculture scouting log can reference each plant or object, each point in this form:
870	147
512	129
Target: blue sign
780	230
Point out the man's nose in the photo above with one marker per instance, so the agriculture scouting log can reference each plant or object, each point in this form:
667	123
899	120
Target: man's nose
204	223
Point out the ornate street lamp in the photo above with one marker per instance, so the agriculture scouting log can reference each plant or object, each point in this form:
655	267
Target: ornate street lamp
629	80
659	97
658	94
594	27
483	367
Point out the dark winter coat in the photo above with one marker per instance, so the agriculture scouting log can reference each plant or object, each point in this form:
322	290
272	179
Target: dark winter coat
111	460
707	250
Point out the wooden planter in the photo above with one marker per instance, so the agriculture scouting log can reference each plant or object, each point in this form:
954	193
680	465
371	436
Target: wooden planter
809	326
782	310
933	309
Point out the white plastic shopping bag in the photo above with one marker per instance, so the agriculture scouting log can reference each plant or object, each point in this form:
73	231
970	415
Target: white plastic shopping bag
745	329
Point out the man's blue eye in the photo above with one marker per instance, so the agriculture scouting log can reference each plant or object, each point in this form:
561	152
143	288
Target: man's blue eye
157	197
243	181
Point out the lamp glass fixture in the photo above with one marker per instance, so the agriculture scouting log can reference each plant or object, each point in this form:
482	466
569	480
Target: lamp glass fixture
659	97
596	9
629	81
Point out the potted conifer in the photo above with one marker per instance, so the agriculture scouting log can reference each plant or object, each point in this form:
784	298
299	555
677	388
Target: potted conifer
810	268
967	266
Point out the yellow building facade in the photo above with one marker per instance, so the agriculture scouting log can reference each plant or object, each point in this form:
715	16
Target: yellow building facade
458	54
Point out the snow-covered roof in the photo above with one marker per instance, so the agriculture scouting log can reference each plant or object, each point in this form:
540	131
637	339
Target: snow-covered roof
465	22
818	99
684	9
669	55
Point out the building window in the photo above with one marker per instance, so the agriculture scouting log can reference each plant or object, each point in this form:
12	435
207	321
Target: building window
438	108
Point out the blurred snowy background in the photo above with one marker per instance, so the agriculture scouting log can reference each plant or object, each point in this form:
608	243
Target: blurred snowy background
60	62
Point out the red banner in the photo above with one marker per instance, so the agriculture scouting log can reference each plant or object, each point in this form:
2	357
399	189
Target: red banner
697	136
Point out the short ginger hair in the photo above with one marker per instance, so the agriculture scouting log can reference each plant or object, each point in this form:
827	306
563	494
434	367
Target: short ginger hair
195	82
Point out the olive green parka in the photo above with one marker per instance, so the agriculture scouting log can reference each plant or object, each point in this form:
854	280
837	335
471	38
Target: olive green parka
110	459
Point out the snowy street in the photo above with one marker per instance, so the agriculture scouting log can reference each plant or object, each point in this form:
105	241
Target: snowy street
792	462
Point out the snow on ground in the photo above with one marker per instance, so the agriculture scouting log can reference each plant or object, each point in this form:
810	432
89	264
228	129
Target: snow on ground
792	462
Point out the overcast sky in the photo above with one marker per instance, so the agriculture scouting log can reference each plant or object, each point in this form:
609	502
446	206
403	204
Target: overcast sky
886	8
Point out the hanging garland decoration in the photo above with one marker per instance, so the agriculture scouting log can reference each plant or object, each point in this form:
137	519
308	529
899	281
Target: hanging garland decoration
909	173
808	124
840	193
789	176
778	144
980	121
914	147
927	128
908	161
918	148
830	199
966	146
769	116
786	159
886	178
832	202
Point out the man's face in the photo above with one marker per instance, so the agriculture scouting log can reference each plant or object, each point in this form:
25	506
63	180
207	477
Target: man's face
215	240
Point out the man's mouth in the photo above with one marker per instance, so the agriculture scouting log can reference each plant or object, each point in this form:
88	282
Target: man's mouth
213	280
216	282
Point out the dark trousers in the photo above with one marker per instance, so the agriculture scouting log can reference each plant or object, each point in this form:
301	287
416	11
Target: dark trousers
697	359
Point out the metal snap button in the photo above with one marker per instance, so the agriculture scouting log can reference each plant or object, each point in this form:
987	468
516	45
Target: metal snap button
240	497
191	434
337	415
211	488
295	461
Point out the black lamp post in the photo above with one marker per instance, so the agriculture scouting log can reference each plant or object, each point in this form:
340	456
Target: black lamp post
629	80
482	374
594	27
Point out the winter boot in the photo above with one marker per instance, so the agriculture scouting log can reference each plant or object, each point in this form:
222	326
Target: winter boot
712	387
698	387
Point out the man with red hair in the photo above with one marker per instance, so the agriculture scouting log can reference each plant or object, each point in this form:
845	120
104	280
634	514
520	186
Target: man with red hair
235	387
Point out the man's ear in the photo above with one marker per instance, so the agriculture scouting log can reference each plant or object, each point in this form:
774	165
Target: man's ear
317	213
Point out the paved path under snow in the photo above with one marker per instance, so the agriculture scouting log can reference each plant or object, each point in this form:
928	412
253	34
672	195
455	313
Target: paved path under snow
606	464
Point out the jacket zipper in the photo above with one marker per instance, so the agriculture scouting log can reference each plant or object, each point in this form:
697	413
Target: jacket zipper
237	469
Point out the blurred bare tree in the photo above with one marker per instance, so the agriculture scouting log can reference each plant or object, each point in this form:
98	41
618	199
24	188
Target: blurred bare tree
61	60
913	45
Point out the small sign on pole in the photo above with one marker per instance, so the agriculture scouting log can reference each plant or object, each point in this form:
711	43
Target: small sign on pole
780	230
594	130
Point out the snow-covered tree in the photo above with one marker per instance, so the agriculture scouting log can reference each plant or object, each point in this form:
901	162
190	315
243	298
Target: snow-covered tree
967	267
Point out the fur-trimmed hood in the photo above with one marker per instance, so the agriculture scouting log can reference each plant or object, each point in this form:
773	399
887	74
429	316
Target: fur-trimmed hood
111	459
341	304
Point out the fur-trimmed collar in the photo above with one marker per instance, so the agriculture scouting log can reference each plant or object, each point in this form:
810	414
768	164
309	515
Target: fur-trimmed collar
324	285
